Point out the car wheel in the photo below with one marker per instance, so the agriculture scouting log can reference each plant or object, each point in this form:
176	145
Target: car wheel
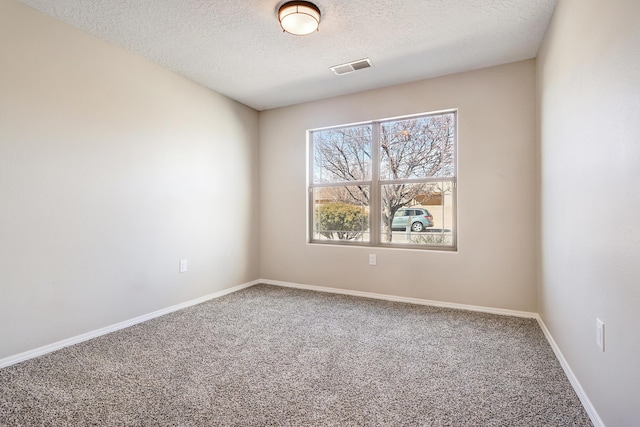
417	227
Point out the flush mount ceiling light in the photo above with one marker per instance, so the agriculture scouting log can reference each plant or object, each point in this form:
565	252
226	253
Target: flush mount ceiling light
299	17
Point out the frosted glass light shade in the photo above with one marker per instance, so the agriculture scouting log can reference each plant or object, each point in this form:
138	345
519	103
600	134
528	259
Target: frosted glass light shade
299	17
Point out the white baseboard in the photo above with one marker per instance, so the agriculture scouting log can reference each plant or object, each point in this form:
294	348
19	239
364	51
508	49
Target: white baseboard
386	297
12	360
577	387
588	406
591	411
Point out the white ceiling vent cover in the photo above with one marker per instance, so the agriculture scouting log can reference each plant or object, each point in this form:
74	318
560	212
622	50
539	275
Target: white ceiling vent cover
350	67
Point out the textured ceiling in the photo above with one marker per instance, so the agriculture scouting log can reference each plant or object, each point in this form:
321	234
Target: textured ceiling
237	48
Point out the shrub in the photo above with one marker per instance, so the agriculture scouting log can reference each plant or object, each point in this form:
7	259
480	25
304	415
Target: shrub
341	220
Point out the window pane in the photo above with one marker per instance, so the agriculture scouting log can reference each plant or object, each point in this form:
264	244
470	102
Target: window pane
420	214
342	154
412	180
418	148
341	213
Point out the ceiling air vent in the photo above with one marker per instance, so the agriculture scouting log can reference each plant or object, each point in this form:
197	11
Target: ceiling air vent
350	67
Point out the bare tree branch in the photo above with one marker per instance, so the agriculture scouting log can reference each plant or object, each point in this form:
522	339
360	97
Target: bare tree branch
412	148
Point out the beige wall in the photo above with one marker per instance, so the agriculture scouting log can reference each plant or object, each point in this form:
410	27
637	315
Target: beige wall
589	108
112	170
495	265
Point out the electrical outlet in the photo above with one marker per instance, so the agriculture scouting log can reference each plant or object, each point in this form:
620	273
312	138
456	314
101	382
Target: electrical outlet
372	259
183	265
600	334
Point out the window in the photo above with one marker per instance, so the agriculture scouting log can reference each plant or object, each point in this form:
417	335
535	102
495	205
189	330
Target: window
385	183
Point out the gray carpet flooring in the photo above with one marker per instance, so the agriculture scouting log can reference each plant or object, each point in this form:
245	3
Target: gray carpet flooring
270	356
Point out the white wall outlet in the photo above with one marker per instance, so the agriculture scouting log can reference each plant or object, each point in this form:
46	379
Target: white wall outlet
372	259
600	334
183	265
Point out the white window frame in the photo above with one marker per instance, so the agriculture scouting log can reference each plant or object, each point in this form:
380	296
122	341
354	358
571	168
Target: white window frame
376	183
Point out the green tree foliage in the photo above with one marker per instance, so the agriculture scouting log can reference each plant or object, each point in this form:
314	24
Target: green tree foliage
339	220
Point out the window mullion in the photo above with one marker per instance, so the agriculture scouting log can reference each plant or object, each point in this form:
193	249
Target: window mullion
374	200
310	201
417	180
339	184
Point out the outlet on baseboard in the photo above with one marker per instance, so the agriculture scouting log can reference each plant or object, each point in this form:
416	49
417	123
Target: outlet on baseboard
183	265
600	334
